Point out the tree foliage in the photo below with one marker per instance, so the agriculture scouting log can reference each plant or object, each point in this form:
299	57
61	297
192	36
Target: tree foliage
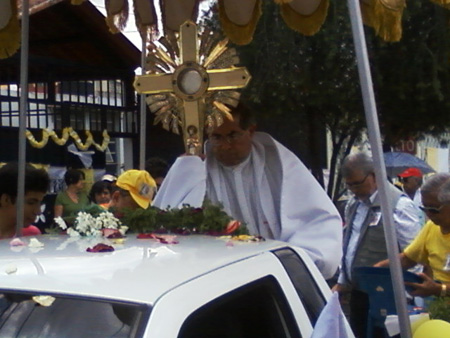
411	77
303	85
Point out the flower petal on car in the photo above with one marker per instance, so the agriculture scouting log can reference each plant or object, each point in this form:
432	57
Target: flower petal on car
100	247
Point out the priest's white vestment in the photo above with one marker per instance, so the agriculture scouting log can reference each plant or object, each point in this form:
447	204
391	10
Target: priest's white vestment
271	191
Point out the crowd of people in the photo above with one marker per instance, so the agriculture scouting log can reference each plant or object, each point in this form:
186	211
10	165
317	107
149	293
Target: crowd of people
131	190
260	182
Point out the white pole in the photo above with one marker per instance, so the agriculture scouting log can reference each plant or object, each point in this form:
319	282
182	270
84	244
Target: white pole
380	169
143	110
22	116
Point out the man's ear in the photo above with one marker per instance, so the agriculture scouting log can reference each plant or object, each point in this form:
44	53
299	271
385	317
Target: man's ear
115	196
5	200
252	129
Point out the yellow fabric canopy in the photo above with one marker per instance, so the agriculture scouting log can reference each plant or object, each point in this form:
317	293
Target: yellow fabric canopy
238	18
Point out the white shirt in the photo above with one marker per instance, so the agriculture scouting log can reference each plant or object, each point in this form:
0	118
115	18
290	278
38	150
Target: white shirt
238	188
239	183
418	202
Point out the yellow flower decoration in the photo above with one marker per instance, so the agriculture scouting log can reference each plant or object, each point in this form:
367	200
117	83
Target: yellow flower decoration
65	136
105	142
66	133
80	145
41	144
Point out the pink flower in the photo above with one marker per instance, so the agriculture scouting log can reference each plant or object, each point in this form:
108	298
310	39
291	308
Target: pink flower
111	233
165	239
232	226
16	242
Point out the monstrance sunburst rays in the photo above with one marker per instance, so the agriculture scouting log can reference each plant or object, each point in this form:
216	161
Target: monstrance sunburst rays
191	78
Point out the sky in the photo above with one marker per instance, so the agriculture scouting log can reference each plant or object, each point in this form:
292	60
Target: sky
130	31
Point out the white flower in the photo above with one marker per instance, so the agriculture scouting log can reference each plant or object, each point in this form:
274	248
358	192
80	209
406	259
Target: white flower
34	243
97	224
10	269
44	300
72	233
96	233
61	223
108	220
87	225
123	229
83	222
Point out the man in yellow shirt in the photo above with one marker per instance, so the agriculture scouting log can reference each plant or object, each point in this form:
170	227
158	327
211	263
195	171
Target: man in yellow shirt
431	247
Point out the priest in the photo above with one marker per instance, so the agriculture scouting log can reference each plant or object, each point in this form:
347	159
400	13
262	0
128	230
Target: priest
261	183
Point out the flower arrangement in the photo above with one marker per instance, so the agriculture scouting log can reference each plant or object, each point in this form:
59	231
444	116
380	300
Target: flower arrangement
87	224
209	219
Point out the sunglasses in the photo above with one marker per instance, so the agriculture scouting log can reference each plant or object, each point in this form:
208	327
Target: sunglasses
431	210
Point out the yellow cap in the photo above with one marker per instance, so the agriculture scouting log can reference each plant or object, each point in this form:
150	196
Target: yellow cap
140	185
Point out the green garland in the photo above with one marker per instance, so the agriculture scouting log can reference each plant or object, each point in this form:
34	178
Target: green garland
209	219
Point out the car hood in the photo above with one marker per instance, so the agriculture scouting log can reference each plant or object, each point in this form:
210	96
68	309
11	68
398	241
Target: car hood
138	270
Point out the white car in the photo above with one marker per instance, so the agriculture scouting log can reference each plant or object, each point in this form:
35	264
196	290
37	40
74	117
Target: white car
202	286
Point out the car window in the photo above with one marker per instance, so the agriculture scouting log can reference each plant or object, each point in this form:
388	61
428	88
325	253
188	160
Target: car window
258	309
304	283
21	316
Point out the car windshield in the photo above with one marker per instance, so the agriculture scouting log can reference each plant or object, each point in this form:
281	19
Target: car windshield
30	315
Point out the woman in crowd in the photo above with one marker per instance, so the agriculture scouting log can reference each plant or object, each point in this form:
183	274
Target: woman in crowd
72	200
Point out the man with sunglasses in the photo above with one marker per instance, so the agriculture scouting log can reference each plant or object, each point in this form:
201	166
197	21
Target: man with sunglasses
261	183
364	241
432	245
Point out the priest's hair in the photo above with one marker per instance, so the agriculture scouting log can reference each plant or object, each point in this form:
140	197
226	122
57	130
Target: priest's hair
245	114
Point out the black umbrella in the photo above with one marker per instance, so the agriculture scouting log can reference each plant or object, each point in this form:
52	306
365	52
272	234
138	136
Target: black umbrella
397	162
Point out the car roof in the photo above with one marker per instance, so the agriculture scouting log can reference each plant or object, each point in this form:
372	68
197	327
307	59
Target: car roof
139	270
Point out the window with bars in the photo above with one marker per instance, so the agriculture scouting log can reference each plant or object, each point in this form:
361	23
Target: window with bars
83	105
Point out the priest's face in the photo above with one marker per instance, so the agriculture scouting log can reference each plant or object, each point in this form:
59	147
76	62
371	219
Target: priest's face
231	144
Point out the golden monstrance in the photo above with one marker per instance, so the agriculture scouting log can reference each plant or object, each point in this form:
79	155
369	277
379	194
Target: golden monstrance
191	76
